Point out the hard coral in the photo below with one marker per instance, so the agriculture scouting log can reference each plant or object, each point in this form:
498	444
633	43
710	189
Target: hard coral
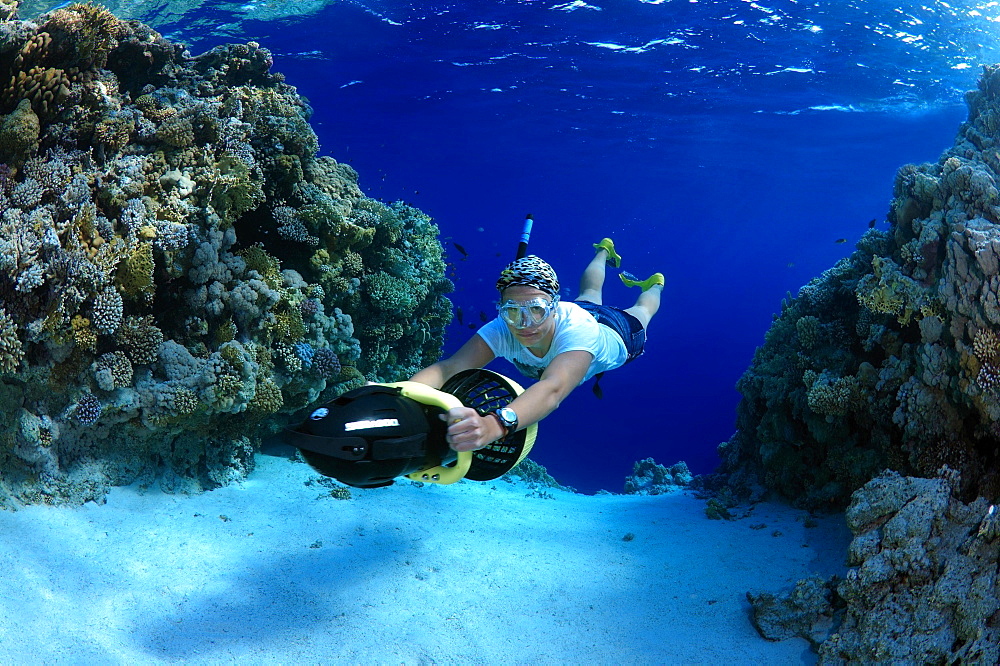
267	399
88	409
11	351
173	250
135	273
43	88
19	133
87	29
906	373
921	588
106	314
325	363
113	370
140	338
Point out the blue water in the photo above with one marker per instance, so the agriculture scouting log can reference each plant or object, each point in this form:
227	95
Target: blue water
727	144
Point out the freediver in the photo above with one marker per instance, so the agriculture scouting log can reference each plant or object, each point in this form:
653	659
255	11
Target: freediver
561	344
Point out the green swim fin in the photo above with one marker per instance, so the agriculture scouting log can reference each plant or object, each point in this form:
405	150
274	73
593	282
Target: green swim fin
631	281
609	245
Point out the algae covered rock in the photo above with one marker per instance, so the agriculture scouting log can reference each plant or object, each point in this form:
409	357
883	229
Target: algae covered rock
180	271
890	359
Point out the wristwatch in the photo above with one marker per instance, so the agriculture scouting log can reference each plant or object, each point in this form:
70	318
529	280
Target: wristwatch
507	418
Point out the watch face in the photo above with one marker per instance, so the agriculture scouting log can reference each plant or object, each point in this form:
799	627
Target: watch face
507	415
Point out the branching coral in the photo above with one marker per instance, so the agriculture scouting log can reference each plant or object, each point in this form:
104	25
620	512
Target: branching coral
113	370
88	409
140	338
986	347
11	352
888	291
832	396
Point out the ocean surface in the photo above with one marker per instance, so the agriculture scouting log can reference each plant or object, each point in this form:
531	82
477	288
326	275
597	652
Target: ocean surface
740	148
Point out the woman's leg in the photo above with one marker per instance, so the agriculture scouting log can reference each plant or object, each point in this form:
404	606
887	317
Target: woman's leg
647	304
592	282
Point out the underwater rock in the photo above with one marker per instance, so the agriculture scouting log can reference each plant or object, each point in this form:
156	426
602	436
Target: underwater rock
890	359
650	478
923	586
180	271
535	476
807	612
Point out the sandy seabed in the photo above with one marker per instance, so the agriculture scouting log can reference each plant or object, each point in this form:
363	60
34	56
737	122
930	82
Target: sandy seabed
274	571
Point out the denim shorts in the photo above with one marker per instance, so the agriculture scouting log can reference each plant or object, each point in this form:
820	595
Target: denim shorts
628	327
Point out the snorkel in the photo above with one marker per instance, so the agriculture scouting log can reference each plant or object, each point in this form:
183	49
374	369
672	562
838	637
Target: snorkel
522	245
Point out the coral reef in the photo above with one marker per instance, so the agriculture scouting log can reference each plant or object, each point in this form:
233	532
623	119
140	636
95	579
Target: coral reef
922	587
880	384
650	478
890	359
180	271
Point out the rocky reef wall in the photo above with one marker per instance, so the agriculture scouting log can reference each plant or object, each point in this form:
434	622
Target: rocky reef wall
180	271
890	359
878	389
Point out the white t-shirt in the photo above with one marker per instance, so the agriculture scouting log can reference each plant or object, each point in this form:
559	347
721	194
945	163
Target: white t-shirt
576	329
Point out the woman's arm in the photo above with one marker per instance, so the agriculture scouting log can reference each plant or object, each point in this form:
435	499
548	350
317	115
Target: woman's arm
542	398
474	354
468	431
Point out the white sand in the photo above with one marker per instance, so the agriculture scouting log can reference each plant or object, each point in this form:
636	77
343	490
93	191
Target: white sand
473	573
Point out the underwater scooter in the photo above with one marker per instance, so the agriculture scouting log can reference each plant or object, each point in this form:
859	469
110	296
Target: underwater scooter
370	436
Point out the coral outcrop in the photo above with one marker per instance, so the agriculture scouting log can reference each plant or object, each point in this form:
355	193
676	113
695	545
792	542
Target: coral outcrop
890	359
650	478
180	271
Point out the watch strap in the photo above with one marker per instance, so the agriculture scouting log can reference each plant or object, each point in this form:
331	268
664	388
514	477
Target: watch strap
506	431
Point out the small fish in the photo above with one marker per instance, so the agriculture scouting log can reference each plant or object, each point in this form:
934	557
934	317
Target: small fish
472	327
871	223
840	240
461	250
791	264
459	316
483	317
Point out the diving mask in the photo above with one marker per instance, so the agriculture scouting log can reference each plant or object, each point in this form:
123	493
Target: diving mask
527	313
